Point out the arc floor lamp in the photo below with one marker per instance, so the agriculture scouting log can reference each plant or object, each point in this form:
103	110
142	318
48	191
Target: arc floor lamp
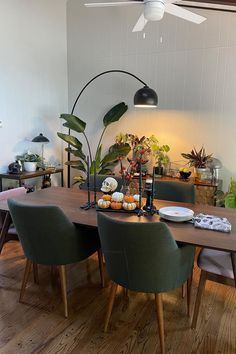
143	98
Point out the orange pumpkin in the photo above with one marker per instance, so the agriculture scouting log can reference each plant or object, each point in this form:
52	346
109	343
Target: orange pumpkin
116	205
106	197
129	198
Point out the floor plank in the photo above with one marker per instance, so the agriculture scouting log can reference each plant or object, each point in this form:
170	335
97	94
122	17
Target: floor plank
38	325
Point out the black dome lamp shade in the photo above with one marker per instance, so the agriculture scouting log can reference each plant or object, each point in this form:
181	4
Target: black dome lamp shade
145	98
40	139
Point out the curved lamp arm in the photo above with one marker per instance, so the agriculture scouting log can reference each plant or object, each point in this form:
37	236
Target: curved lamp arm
143	95
101	74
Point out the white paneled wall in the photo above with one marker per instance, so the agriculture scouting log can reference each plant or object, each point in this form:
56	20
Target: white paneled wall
192	67
33	76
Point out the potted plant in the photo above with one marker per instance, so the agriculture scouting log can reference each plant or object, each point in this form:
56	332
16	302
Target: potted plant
160	153
230	196
30	161
199	160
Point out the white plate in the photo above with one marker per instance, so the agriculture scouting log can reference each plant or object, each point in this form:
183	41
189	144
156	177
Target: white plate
177	214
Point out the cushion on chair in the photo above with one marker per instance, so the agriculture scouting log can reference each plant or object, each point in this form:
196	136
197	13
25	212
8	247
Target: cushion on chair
216	262
12	193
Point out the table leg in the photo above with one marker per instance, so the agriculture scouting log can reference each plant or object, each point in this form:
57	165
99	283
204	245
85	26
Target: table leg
20	183
6	224
233	258
0	184
62	179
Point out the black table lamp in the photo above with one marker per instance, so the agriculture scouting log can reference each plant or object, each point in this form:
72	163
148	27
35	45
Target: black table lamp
41	139
143	98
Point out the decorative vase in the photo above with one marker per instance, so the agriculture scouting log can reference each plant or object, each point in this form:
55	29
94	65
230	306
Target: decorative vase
30	166
202	174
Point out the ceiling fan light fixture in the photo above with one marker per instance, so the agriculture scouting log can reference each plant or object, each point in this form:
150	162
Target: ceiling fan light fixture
145	98
154	10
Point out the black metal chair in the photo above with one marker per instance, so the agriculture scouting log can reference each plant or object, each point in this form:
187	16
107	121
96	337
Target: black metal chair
99	180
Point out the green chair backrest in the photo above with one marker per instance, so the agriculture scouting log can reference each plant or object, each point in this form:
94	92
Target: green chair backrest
48	236
143	256
99	180
175	191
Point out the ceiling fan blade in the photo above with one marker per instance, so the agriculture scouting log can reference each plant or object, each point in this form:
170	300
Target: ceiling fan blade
140	24
185	14
107	4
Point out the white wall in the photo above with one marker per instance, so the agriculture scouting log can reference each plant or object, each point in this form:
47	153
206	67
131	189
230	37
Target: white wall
192	69
33	76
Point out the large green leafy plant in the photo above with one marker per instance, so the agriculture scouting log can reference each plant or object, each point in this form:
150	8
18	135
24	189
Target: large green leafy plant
103	165
230	197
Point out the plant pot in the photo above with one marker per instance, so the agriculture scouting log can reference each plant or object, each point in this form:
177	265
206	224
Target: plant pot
202	174
159	171
30	166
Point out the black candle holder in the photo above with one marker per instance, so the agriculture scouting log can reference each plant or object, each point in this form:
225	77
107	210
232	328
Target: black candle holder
90	204
149	207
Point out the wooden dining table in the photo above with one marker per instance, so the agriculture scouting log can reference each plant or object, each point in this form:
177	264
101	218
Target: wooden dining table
71	199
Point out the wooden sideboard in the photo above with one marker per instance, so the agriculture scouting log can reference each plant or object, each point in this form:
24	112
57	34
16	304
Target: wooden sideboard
205	190
20	177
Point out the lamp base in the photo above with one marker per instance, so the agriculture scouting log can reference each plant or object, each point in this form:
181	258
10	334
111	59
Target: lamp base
88	205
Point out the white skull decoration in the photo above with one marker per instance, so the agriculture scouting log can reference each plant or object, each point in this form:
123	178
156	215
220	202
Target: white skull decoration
109	185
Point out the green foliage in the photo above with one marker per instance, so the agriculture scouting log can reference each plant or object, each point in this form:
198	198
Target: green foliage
230	197
73	123
104	165
114	114
196	158
28	157
159	151
144	146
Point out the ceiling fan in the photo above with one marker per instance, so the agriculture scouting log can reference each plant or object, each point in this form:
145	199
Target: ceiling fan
153	11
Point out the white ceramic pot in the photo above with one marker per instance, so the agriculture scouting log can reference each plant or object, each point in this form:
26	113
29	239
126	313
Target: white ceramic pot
30	166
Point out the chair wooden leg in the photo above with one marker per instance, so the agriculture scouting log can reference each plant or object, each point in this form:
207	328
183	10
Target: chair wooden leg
110	304
25	279
183	290
5	226
36	273
126	292
160	320
101	267
62	272
189	293
201	286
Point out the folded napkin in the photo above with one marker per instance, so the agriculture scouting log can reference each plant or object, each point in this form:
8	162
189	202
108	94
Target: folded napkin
211	222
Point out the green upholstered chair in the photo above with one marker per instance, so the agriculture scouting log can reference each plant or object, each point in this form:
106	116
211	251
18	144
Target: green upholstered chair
144	257
99	180
175	191
48	237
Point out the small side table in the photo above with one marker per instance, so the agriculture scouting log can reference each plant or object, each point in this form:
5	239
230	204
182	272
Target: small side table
20	177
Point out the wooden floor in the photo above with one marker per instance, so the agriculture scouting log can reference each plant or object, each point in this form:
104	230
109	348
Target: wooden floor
38	325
